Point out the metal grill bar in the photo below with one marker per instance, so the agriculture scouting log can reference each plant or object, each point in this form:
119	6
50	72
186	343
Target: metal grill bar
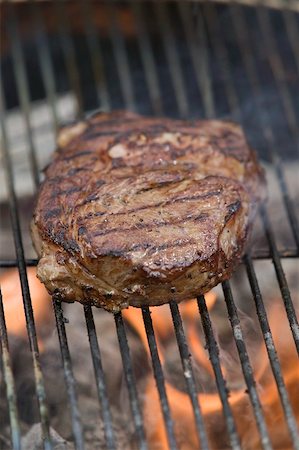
13	206
188	373
70	382
246	365
231	308
22	86
293	34
272	353
9	382
288	412
277	68
122	62
253	77
284	288
221	53
286	198
159	376
197	42
6	263
243	38
130	380
147	57
96	56
268	230
100	378
291	314
45	61
172	58
220	381
69	376
69	52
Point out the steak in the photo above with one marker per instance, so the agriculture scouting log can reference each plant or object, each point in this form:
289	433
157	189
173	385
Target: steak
140	211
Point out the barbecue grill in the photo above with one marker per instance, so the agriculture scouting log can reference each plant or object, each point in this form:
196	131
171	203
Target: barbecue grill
178	59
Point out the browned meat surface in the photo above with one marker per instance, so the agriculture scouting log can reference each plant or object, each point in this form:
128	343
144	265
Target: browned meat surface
139	211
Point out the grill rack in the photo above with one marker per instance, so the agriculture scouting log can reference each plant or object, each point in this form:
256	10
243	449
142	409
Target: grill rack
205	21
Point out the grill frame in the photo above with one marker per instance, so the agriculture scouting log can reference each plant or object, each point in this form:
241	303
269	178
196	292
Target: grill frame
197	34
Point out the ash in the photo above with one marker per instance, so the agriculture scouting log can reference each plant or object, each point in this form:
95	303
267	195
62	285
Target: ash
57	399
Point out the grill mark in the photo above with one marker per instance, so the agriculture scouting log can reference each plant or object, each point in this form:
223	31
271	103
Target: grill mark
161	184
76	170
77	155
52	213
99	183
70	190
92	197
60	238
148	225
156	205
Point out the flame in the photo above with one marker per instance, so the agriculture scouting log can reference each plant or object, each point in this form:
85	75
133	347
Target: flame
13	303
210	403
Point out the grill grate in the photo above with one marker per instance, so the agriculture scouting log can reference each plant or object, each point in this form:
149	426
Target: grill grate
206	39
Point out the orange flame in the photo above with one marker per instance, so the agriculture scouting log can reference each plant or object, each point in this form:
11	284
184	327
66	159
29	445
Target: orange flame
13	303
211	407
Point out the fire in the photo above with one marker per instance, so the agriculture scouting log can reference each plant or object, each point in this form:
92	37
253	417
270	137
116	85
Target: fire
211	407
13	303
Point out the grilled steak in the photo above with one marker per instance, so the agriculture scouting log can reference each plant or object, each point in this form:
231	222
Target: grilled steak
139	211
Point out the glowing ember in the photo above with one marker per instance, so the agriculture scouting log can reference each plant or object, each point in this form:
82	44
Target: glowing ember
13	303
210	403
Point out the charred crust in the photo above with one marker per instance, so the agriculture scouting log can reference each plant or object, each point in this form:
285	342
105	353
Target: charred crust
61	238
